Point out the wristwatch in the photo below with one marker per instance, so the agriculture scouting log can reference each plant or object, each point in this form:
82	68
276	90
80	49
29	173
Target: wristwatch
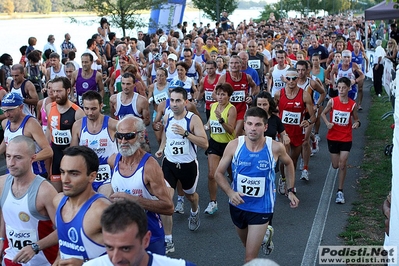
221	120
310	121
186	133
292	190
35	247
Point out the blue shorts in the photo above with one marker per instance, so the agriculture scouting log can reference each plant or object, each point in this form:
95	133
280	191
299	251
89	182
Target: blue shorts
157	247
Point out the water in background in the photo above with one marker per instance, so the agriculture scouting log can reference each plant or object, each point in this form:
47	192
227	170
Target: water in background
16	32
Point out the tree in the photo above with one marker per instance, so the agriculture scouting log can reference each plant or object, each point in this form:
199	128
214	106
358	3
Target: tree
42	6
210	7
272	8
9	7
122	13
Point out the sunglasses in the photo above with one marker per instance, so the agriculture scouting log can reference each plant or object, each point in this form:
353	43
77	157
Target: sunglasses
291	78
126	136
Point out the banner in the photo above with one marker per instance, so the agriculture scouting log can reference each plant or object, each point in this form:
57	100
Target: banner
370	56
388	76
167	16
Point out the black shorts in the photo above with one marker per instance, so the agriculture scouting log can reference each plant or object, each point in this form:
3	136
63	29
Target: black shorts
242	219
216	148
187	173
338	146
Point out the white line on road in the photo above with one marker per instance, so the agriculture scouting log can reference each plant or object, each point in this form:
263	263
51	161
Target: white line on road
310	255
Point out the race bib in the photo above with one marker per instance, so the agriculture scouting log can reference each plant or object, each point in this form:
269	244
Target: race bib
179	147
216	127
341	118
208	96
255	64
251	186
19	238
237	97
291	118
160	97
80	100
103	174
61	137
278	83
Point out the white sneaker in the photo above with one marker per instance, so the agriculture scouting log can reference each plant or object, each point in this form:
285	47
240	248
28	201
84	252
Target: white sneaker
194	221
179	207
212	208
315	146
169	247
301	164
316	136
340	198
267	243
305	175
282	189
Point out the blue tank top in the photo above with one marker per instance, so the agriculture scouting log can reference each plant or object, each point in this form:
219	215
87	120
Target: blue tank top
134	185
358	59
73	241
253	175
38	167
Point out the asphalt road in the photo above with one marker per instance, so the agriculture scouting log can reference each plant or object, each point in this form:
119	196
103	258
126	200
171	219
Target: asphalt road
298	232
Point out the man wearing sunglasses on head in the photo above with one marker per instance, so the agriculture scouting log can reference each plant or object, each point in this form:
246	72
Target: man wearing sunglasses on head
292	102
96	131
137	176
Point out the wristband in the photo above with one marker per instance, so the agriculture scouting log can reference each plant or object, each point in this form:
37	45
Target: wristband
2	239
359	123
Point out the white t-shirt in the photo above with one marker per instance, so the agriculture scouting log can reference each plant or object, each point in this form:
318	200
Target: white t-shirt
379	52
94	66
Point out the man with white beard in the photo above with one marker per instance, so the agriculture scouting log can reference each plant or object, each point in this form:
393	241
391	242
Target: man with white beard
137	176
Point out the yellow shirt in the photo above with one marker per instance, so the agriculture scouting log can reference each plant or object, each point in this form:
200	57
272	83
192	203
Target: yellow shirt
209	50
218	133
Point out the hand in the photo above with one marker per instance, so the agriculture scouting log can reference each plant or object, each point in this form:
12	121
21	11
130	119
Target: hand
376	66
286	139
236	198
329	125
353	82
248	100
177	129
294	201
355	125
157	126
304	123
159	154
118	196
24	255
70	262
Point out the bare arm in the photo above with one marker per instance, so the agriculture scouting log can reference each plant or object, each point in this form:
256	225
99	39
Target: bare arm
76	132
145	112
36	131
100	83
31	91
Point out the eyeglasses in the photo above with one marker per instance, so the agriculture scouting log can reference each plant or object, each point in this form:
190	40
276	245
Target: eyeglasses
126	136
291	78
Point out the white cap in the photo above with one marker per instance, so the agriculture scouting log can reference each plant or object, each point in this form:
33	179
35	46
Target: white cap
172	56
163	39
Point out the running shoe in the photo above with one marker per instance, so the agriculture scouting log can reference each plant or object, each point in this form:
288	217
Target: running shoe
305	175
360	108
315	146
282	189
194	221
317	136
267	243
179	207
169	247
212	208
340	198
301	164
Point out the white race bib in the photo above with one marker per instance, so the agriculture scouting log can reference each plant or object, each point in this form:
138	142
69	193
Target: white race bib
251	186
216	127
160	97
208	96
61	137
341	118
179	147
255	64
19	238
291	118
103	174
237	97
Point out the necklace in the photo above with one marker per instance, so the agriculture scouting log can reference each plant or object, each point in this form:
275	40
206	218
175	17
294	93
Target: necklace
129	165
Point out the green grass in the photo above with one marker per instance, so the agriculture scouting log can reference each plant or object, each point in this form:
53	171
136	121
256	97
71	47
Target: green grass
366	222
